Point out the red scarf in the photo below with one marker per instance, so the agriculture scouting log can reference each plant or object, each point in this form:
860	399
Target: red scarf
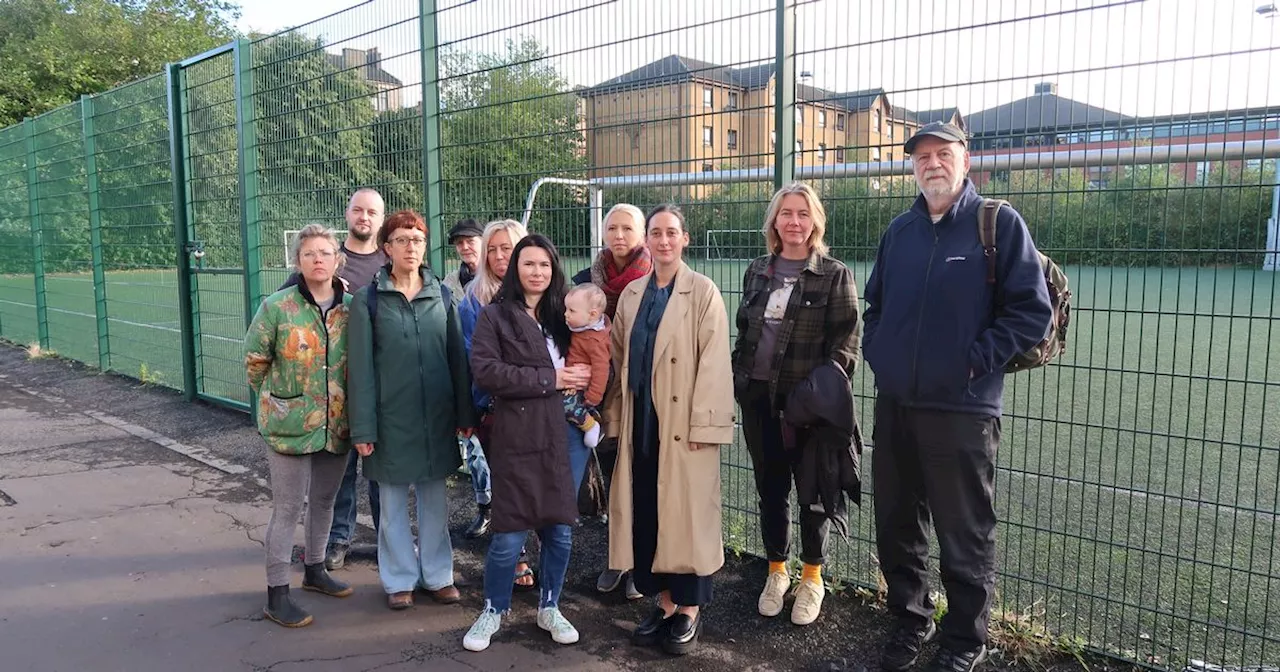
606	275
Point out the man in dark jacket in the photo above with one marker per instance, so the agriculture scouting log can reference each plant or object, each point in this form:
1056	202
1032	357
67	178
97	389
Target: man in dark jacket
938	336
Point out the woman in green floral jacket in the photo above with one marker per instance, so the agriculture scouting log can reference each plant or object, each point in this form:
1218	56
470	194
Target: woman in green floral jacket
296	357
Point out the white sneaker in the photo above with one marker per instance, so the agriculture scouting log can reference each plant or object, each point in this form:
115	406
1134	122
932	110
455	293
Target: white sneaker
482	630
808	603
554	622
591	437
775	591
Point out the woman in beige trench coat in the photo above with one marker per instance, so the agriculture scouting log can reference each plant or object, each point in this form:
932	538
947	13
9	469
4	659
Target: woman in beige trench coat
673	411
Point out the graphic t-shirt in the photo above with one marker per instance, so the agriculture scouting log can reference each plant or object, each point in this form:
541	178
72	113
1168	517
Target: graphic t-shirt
785	274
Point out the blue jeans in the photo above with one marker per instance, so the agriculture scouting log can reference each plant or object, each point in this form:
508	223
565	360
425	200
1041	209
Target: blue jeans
557	544
478	466
399	568
344	507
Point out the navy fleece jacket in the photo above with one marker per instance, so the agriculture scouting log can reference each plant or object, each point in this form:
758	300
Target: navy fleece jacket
935	333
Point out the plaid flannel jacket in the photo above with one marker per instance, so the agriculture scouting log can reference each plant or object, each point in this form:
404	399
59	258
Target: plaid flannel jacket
821	323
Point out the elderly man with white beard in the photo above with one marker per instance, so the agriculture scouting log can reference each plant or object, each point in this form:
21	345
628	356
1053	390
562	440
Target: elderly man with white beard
938	335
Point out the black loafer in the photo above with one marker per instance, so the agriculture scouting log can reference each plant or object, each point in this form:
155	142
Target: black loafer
682	634
652	629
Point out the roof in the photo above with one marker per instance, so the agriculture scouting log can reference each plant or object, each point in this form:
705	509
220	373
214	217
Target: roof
1046	111
370	74
677	69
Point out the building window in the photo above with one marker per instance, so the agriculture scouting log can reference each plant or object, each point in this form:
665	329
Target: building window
733	101
706	136
706	167
839	154
888	127
839	122
822	118
799	116
875	153
706	97
1253	164
773	138
799	146
1202	172
382	101
733	139
875	121
822	152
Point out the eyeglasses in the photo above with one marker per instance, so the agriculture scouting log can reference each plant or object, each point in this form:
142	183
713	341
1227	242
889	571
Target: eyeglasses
406	241
322	254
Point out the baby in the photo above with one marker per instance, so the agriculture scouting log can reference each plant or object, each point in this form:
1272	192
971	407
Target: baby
584	312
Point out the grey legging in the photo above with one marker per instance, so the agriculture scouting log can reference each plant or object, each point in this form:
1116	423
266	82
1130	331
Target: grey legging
295	479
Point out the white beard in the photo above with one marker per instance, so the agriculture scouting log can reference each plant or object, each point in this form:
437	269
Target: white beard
933	189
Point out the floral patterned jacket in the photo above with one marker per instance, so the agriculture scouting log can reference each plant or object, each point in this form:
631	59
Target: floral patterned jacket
297	365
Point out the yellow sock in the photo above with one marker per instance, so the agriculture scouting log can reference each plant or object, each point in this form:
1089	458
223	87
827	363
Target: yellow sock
777	568
812	573
588	423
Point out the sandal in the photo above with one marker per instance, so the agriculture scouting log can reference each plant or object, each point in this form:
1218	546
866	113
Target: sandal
527	572
401	600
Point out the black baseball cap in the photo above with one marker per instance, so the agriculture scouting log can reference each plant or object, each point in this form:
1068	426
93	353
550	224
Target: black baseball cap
467	228
938	129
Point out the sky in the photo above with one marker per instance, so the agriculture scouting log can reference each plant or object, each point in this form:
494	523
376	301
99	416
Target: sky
1137	57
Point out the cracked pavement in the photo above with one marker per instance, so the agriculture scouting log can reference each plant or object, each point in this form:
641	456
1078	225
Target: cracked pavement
122	554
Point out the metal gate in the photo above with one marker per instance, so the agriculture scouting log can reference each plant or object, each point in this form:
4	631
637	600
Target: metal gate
210	108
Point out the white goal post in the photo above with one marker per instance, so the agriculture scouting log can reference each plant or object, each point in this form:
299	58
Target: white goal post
734	244
290	234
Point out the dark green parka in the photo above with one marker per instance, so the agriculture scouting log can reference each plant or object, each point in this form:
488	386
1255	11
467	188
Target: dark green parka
409	382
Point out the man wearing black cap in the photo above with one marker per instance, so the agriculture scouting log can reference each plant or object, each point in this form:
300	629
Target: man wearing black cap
465	238
938	336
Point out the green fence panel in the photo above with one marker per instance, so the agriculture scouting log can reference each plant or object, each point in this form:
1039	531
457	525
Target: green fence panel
17	295
135	198
63	201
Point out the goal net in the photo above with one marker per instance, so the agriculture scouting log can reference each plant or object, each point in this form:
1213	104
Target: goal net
734	244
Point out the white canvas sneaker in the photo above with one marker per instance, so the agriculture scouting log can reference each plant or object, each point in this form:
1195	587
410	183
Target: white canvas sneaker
808	603
482	630
554	622
774	593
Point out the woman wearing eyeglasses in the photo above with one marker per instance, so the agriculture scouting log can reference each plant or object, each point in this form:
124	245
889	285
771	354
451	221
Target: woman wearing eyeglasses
410	394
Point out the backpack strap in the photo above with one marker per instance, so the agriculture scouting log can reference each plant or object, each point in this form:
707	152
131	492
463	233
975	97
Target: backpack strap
987	233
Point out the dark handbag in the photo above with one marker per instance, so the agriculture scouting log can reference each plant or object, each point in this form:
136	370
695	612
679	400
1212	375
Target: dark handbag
593	497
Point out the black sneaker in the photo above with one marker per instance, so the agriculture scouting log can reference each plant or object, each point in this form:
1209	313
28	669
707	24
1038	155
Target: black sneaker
904	645
948	660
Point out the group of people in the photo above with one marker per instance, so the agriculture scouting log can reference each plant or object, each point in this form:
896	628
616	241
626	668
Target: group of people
366	352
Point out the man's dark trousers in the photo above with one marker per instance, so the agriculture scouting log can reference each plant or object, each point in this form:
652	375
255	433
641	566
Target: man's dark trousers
939	462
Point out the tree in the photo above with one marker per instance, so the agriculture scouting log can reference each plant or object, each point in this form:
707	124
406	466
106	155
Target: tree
506	120
54	51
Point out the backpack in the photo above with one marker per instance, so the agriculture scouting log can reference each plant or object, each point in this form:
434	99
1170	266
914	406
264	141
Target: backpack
1055	280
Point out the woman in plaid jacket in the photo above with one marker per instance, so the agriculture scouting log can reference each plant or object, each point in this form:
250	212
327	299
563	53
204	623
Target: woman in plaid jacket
799	310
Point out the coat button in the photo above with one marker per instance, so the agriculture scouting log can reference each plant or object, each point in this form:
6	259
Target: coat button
673	360
808	303
675	399
677	437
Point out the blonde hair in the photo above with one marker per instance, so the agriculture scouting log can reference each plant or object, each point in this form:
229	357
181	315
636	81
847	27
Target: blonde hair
596	298
816	213
636	214
485	286
314	231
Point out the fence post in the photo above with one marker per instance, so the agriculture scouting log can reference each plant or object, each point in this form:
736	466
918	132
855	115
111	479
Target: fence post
784	96
433	205
37	234
250	219
178	173
95	233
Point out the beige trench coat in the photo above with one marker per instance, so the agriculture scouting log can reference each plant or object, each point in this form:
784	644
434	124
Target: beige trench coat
693	397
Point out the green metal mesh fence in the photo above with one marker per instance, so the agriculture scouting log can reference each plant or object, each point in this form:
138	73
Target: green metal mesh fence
64	228
135	193
17	286
1138	478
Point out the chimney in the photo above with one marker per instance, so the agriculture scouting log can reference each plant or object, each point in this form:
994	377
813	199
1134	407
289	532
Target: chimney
1046	88
372	57
351	58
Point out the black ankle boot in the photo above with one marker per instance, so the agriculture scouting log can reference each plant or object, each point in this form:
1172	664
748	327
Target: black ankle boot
316	578
282	610
479	526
